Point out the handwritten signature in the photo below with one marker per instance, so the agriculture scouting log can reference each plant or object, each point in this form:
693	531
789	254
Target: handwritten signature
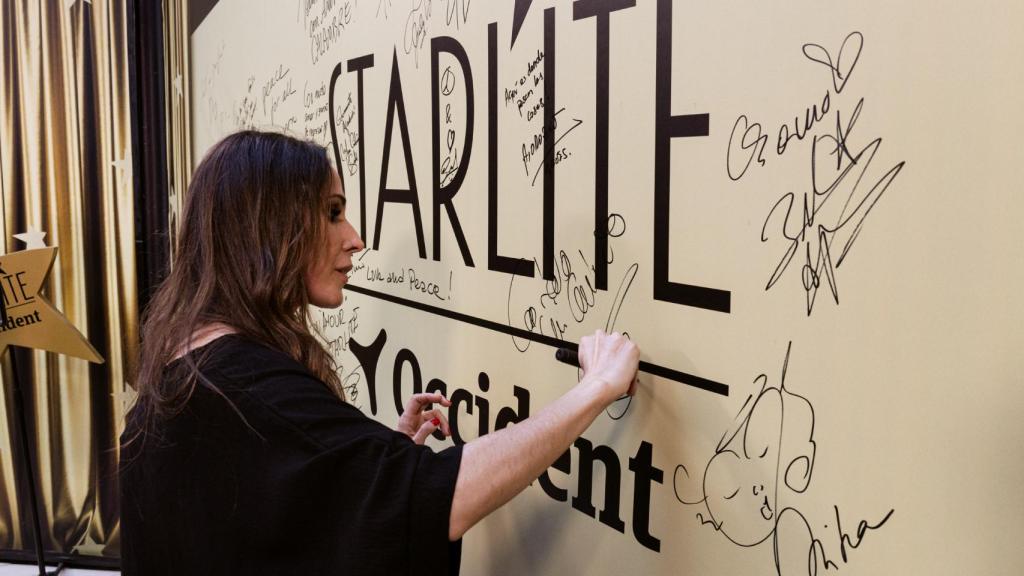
451	162
347	322
456	11
350	141
536	145
768	453
570	296
831	226
820	225
752	139
416	28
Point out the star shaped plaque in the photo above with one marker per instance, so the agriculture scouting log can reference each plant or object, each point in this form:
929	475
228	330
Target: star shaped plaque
26	317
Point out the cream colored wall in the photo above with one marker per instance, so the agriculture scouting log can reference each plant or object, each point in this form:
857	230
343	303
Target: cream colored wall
898	413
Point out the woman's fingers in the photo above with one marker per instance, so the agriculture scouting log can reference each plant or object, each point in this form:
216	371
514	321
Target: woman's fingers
611	358
436	422
417	402
419	410
425	430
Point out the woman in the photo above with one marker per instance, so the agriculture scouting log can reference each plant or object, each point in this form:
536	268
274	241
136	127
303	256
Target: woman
241	456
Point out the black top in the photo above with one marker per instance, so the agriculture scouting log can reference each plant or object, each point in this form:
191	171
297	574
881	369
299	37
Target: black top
305	484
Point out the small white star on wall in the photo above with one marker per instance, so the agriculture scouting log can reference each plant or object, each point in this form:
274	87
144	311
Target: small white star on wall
33	238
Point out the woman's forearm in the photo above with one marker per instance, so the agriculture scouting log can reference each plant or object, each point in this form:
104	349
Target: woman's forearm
501	464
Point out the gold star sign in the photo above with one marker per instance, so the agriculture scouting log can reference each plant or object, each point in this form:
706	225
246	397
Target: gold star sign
26	318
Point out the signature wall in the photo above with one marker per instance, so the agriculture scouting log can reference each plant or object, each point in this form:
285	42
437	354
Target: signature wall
803	213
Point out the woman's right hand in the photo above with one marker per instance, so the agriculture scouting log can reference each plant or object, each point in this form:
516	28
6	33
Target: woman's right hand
497	466
610	361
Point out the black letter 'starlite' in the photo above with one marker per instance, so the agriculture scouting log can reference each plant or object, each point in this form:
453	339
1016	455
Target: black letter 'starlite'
549	144
495	261
443	195
357	65
667	127
601	9
396	103
334	125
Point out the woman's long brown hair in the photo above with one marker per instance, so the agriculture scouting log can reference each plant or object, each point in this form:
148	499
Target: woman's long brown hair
253	221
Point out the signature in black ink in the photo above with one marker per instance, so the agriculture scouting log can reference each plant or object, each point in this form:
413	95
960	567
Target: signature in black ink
245	111
536	145
347	321
450	165
569	297
752	139
832	226
416	28
768	454
350	136
325	29
451	162
350	384
456	11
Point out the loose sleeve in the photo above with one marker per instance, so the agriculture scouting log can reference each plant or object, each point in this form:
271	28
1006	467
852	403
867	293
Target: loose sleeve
375	501
434	488
392	502
265	471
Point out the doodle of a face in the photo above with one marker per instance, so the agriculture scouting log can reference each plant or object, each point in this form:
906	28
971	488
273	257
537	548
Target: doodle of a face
740	481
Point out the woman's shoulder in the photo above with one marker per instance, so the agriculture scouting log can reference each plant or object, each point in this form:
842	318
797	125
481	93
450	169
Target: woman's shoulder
262	379
235	362
238	353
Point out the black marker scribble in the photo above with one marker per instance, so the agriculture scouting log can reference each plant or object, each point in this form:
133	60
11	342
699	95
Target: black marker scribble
765	457
535	146
562	153
820	225
831	215
457	12
570	296
415	35
451	160
752	139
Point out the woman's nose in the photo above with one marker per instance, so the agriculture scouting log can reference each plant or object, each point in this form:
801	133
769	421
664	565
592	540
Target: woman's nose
353	242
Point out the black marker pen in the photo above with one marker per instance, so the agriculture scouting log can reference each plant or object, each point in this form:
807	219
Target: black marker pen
568	356
571	357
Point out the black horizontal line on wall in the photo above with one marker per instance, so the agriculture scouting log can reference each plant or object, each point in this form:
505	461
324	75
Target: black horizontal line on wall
648	367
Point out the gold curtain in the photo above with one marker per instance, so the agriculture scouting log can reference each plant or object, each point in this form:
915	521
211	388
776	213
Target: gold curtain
177	78
66	169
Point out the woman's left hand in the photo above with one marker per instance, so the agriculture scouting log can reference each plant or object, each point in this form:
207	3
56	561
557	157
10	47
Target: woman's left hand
420	420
